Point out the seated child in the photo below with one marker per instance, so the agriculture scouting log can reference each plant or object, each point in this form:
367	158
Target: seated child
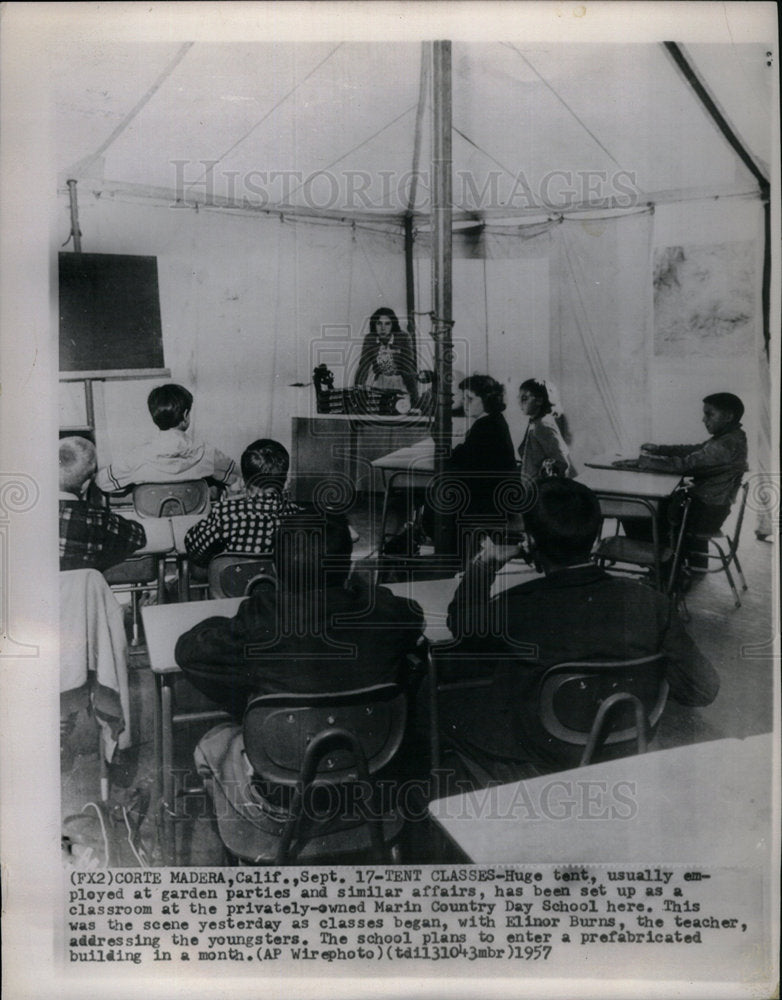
246	524
576	611
90	537
716	468
170	456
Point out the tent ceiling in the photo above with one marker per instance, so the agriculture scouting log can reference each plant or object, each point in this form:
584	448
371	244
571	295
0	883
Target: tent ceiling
536	128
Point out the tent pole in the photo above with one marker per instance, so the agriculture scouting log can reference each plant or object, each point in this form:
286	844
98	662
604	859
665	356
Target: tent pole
409	239
74	204
410	286
441	269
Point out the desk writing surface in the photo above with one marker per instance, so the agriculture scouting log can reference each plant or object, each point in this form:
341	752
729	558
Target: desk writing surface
160	537
704	804
418	456
624	482
180	525
434	596
607	461
164	623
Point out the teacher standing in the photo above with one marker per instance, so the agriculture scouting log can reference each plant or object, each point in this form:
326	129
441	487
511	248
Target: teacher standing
387	360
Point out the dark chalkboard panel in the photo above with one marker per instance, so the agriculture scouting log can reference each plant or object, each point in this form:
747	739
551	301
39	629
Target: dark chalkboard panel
109	313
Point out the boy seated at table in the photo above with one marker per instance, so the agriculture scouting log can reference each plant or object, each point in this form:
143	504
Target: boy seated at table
247	524
90	537
716	467
320	631
171	455
575	612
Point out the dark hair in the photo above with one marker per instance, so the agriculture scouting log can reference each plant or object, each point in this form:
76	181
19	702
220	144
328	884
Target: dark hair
727	403
77	463
265	463
489	390
564	521
168	405
538	389
384	311
312	551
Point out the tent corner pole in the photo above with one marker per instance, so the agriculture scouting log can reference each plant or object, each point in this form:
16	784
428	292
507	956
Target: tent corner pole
441	273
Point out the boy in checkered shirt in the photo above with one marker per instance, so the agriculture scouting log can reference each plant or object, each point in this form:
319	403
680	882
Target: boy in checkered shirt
90	537
247	524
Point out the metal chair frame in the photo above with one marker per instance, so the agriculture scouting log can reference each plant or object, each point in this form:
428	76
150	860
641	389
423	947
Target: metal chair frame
582	672
728	554
608	555
224	562
190	496
331	741
123	580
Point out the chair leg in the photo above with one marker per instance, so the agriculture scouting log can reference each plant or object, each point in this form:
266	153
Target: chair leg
104	769
161	580
740	571
726	566
134	593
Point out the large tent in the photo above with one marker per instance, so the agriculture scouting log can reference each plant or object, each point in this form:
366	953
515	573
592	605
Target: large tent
608	219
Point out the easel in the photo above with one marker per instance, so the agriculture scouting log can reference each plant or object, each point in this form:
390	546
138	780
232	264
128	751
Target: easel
89	378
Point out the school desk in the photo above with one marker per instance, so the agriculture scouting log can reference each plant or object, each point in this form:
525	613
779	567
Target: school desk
163	625
340	448
703	804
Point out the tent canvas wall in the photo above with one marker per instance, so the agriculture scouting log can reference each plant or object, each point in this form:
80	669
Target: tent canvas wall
273	181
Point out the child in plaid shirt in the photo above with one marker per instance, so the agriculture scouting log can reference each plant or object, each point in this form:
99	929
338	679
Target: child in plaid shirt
90	537
247	524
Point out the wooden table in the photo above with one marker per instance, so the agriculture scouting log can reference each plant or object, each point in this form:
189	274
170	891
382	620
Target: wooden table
704	804
434	596
607	460
163	625
630	483
160	537
342	448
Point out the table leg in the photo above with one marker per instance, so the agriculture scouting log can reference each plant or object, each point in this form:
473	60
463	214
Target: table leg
184	578
167	762
157	791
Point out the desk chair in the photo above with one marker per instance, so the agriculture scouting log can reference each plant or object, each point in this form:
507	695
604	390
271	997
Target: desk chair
173	500
649	557
595	705
723	549
136	576
236	574
167	716
317	755
409	485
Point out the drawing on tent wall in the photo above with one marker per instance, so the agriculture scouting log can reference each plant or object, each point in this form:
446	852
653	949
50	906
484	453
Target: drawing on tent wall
704	300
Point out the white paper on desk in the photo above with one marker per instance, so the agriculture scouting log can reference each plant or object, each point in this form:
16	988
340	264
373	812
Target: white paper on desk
200	308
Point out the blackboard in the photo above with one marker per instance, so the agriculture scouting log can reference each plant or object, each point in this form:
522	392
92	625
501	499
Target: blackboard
109	313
